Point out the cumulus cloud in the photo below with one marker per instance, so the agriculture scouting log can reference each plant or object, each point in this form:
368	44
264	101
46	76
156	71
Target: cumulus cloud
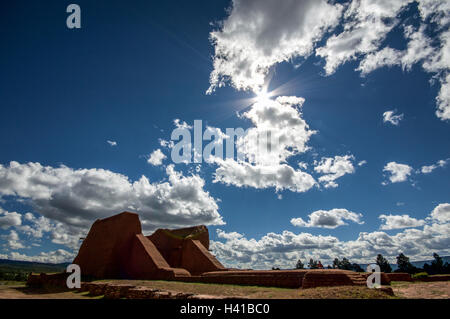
280	177
366	25
426	169
258	34
391	117
328	218
54	257
156	157
285	248
399	221
441	213
9	219
334	168
13	241
397	172
278	133
75	198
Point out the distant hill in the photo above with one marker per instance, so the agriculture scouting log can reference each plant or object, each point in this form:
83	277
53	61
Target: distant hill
29	266
418	264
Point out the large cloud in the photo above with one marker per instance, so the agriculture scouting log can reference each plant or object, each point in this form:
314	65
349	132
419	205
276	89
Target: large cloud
328	218
55	256
399	221
258	34
278	133
9	219
441	213
76	197
285	248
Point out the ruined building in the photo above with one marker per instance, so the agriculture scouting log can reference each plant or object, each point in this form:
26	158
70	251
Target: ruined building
116	248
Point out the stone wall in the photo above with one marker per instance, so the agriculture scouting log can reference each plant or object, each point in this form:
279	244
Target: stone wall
399	276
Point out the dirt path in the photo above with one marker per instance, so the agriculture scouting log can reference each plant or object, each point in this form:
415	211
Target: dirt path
422	290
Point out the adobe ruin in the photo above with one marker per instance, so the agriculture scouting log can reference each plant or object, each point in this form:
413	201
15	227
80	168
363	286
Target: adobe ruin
115	248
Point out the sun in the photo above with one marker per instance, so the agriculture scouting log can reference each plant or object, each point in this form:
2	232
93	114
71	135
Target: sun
262	96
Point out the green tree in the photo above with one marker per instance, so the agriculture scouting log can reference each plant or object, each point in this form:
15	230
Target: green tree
299	265
383	263
404	265
336	263
345	264
312	264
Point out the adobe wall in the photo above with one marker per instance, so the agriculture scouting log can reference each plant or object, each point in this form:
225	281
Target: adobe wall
145	262
197	259
301	278
399	276
107	245
186	248
267	278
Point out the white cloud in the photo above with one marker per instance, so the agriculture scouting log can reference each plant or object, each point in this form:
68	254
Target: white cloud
334	168
181	124
13	240
75	198
426	169
398	172
399	221
285	248
280	177
258	34
112	143
362	163
391	117
441	213
228	236
279	132
366	24
328	218
9	219
55	257
443	99
156	158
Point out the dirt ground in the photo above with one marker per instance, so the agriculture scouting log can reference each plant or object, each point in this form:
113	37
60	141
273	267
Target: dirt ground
422	290
426	290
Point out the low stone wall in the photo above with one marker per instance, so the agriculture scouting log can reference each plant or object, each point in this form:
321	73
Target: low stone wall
124	291
304	278
399	276
329	278
42	280
265	278
433	278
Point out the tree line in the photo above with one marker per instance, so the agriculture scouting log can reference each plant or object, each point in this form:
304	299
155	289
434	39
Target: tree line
437	266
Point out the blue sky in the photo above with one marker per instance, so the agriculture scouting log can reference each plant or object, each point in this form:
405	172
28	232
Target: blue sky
134	68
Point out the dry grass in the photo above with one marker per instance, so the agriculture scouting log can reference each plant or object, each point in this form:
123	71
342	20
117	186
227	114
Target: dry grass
18	290
256	292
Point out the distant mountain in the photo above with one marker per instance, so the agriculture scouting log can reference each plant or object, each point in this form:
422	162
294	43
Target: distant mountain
418	264
29	266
